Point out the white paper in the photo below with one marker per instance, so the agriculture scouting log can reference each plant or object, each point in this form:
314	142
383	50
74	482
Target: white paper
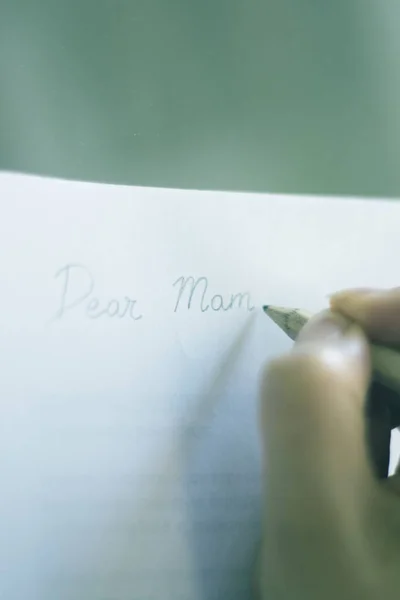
129	449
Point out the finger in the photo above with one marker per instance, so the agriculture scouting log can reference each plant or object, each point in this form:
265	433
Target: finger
383	415
312	420
376	311
378	428
391	399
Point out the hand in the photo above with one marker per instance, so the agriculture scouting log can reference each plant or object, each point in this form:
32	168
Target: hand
331	526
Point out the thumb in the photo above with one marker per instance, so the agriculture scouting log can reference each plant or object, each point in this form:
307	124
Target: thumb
312	420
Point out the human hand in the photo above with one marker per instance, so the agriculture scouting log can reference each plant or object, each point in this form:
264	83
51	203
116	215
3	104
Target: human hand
331	516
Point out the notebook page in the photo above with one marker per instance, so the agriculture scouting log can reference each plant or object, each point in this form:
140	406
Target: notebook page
131	341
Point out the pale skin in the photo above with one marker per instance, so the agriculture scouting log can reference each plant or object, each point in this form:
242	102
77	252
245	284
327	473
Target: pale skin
331	516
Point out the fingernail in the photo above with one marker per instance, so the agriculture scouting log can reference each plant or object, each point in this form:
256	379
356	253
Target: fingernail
326	325
339	341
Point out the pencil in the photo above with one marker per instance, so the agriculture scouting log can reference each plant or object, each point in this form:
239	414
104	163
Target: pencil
385	361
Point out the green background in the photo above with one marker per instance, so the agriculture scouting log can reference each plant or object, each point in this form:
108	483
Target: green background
281	96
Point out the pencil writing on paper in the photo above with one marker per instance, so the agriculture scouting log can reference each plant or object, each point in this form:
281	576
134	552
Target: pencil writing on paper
204	300
188	294
75	293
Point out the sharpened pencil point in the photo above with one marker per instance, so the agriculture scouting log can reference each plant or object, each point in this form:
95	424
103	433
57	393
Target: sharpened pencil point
290	320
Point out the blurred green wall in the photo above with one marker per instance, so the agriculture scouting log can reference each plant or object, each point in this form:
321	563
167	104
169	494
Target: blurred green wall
283	95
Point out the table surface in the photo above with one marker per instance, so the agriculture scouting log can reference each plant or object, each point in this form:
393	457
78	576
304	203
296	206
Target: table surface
280	96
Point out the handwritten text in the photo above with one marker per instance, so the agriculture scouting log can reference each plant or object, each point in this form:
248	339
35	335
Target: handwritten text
78	291
193	293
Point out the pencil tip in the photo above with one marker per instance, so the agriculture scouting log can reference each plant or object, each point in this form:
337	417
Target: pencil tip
265	307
